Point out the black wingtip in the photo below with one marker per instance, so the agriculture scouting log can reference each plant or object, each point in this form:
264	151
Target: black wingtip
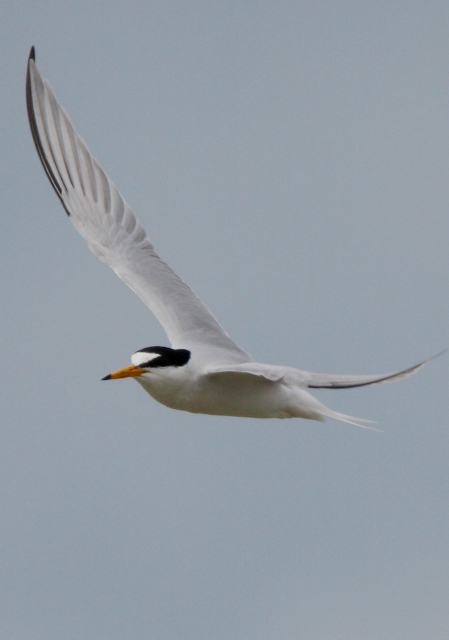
35	133
108	377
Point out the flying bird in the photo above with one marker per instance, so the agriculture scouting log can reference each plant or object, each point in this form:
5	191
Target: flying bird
204	370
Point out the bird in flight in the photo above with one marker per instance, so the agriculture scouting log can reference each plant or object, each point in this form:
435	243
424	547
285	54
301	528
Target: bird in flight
204	370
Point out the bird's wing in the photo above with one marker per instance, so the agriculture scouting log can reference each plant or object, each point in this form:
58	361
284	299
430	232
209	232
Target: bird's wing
306	379
330	381
272	373
113	232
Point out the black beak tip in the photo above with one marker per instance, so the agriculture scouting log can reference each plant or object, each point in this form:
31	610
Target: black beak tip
108	377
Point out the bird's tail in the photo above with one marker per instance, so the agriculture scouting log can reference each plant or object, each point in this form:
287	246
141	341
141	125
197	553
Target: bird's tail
342	417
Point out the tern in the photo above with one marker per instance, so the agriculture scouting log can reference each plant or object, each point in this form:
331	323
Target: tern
204	370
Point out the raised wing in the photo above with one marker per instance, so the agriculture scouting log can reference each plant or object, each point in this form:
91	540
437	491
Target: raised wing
306	379
113	232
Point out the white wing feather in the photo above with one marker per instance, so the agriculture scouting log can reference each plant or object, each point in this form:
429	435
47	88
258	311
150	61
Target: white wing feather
113	232
305	379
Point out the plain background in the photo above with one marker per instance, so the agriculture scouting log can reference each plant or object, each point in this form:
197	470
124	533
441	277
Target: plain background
290	161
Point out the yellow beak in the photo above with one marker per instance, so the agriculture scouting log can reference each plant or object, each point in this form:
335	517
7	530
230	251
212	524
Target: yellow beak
126	372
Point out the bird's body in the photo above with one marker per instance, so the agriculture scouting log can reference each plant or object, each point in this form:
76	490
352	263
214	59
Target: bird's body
204	371
232	394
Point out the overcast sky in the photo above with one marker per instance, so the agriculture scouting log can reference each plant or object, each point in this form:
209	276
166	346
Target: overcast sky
290	161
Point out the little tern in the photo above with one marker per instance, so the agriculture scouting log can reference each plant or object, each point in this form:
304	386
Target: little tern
204	370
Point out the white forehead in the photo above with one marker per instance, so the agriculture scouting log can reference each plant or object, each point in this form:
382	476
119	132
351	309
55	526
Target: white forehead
142	357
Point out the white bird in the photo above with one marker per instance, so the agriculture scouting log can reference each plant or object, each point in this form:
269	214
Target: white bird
204	371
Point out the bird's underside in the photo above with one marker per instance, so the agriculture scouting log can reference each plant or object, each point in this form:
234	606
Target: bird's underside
218	376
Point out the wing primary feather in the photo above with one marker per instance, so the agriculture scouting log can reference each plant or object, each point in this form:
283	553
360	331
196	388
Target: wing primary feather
35	133
53	129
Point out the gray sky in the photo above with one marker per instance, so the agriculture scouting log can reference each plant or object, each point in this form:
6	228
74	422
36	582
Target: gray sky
290	161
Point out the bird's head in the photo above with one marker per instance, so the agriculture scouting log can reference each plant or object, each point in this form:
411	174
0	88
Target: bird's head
149	360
